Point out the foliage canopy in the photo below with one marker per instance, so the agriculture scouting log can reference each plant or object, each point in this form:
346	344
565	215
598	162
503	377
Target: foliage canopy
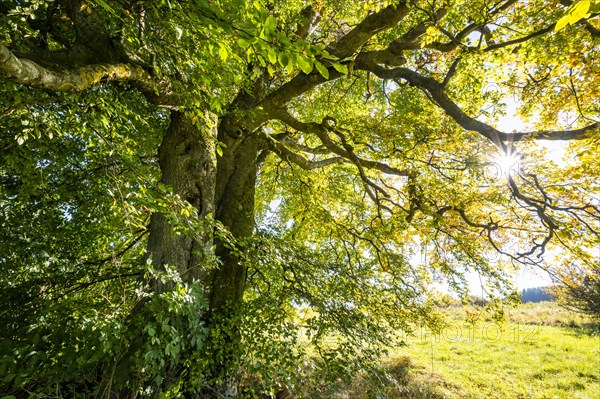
192	189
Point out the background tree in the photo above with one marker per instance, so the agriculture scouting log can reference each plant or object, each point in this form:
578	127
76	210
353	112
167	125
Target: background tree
578	289
537	294
186	185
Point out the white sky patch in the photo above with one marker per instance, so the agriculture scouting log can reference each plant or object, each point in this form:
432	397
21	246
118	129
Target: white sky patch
525	277
511	122
529	277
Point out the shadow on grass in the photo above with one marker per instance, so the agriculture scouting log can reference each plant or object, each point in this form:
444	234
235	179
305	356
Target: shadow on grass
587	329
398	378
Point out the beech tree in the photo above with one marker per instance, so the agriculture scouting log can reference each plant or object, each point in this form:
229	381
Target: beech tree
198	191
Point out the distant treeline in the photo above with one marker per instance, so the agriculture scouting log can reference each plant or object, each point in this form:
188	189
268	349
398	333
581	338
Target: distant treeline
537	294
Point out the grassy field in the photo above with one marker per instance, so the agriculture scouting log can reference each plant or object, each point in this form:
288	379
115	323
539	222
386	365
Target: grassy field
534	362
540	351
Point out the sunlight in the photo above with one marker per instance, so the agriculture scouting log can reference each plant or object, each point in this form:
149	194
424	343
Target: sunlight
506	163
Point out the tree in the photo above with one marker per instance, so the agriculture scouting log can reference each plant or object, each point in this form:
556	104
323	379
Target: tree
186	184
578	289
537	294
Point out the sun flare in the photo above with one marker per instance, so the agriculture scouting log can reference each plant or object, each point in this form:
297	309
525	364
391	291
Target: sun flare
507	163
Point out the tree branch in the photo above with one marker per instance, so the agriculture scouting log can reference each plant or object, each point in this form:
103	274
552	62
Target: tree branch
345	47
370	26
409	40
321	131
293	145
438	94
27	72
525	38
308	20
288	155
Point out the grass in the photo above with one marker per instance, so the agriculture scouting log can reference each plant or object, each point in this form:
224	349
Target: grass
511	361
540	352
543	313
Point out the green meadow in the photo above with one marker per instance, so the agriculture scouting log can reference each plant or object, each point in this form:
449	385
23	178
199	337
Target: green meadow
540	352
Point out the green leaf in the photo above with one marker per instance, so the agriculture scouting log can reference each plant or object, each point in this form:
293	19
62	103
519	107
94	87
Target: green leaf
223	52
272	56
271	23
305	64
243	43
219	148
342	68
322	70
284	59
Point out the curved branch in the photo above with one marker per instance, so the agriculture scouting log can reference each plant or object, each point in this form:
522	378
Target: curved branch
288	155
488	226
345	47
27	72
437	92
321	132
346	153
293	145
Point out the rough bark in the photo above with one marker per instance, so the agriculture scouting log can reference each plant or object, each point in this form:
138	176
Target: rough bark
188	165
187	161
235	189
226	190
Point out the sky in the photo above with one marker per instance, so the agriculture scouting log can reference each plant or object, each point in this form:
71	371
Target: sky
526	277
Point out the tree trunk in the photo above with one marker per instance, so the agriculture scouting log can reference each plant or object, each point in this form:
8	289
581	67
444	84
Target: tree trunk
188	165
187	161
225	188
235	189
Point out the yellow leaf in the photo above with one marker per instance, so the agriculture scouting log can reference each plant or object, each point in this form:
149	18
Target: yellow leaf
576	12
579	10
432	30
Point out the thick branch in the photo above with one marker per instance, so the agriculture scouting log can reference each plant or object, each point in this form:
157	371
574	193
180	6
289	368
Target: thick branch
370	26
437	92
308	21
288	155
27	72
345	47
